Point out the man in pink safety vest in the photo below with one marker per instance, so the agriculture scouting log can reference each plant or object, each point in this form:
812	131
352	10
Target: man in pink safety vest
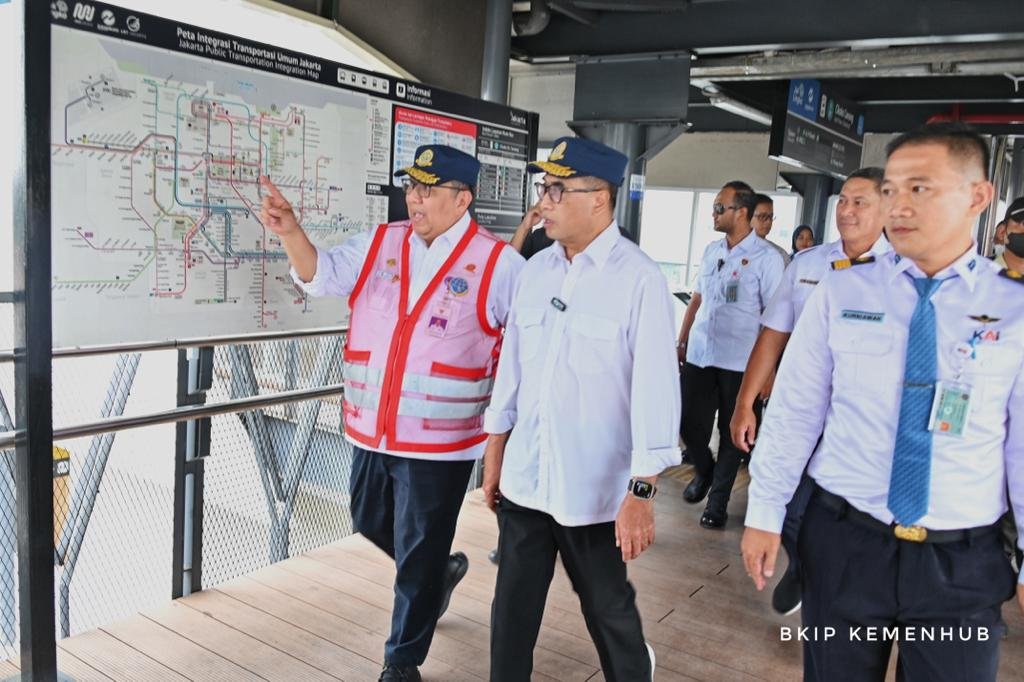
429	297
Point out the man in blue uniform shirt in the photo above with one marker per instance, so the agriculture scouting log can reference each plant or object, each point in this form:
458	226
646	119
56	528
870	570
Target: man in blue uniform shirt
913	369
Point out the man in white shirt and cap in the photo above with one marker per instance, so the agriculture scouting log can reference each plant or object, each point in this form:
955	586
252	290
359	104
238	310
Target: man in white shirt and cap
583	418
429	297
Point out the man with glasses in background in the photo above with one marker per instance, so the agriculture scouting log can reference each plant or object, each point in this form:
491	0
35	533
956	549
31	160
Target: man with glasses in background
764	218
738	275
429	297
583	419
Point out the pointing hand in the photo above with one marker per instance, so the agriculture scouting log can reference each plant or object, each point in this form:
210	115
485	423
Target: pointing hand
276	213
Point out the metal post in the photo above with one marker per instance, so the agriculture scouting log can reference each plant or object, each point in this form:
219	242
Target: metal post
195	376
987	222
298	452
497	48
629	139
87	485
1017	170
33	341
817	190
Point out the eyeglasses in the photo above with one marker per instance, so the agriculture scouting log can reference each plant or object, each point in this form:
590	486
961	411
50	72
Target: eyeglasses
423	191
556	189
770	217
719	209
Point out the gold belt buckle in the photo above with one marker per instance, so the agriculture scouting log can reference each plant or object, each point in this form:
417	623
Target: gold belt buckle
910	533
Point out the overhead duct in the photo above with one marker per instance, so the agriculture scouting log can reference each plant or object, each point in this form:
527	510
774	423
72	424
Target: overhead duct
534	21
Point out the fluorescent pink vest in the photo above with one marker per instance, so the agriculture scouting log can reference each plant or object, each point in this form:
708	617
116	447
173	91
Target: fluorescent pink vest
424	378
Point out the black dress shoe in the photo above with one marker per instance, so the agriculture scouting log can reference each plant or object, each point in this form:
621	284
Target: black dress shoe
458	564
493	557
399	673
698	489
786	595
713	520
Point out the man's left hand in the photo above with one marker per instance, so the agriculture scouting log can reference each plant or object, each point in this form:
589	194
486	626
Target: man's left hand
634	526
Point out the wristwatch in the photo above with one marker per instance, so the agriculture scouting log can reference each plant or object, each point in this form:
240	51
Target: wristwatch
642	489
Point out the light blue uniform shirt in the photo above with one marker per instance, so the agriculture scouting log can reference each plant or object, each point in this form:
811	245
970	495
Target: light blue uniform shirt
842	376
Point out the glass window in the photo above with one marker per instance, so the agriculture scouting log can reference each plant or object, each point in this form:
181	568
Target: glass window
831	231
787	217
676	227
665	232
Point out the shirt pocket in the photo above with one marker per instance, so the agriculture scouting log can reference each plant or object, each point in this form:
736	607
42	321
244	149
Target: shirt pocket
529	324
382	292
862	360
992	372
592	347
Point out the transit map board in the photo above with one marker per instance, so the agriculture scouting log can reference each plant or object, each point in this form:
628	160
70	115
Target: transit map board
160	131
817	129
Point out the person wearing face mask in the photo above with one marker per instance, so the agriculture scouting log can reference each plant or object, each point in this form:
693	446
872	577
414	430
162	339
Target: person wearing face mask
429	297
999	243
1012	256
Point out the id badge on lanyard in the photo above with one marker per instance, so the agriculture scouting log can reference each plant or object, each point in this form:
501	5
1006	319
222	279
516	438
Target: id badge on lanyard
732	289
951	407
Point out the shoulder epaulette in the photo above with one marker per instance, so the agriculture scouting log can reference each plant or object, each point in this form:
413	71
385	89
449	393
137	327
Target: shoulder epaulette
1012	274
844	263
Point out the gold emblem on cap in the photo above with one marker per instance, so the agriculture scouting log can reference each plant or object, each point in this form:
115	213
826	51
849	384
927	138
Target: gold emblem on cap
426	158
558	153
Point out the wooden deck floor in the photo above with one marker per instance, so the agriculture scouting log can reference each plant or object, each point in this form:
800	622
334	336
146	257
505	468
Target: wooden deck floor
325	616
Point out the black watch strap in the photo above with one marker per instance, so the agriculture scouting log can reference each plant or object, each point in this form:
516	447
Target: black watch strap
642	489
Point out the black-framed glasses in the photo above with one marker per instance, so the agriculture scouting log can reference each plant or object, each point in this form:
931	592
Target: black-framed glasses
410	186
719	209
770	217
556	189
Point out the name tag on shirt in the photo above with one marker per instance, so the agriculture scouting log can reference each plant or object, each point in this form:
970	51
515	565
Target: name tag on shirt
950	409
862	316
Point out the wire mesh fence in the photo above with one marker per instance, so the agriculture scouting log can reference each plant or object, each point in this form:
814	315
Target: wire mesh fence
280	473
275	480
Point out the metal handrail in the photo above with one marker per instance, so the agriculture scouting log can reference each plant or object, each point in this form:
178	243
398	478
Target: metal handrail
174	344
9	439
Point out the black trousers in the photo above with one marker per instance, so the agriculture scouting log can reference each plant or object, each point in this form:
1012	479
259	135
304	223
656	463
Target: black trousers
706	390
858	577
408	508
528	542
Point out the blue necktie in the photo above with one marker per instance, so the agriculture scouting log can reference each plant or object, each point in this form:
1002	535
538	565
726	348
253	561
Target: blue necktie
912	458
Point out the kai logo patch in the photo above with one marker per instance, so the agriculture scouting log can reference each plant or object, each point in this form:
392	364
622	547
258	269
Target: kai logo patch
426	159
558	153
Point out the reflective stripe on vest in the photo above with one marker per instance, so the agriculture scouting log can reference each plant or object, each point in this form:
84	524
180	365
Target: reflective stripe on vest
361	374
362	397
447	388
437	409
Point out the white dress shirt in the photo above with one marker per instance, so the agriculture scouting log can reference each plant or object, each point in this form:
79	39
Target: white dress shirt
592	391
803	274
338	268
843	372
724	331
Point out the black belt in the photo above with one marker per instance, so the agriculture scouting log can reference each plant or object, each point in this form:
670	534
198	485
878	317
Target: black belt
909	533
